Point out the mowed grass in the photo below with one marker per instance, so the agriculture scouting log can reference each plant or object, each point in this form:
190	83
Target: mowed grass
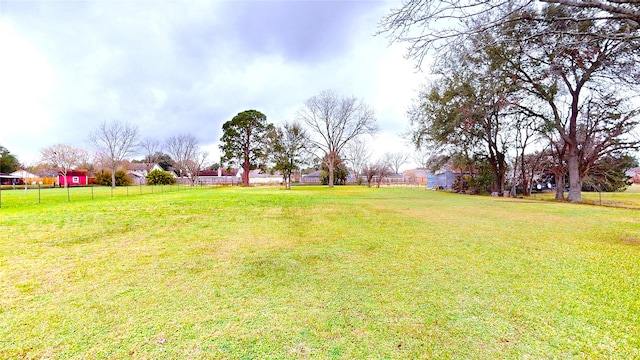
318	273
630	198
18	196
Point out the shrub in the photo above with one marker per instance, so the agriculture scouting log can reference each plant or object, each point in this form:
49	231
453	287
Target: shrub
103	178
159	177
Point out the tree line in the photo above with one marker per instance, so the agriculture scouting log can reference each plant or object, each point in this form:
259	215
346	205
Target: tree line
321	133
115	142
324	129
551	85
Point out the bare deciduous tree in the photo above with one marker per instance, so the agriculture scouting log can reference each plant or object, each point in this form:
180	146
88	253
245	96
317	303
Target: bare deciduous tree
189	159
195	164
357	155
62	158
383	170
152	151
335	122
396	160
369	171
376	172
115	141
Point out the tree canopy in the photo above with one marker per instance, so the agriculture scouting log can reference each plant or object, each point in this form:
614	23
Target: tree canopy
436	24
244	141
8	162
287	149
568	67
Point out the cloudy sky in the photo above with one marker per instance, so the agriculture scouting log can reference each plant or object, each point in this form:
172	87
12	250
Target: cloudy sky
174	67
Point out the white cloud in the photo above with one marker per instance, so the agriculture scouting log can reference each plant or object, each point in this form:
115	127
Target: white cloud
187	67
26	83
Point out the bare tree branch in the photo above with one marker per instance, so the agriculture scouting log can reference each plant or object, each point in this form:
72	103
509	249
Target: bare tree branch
62	158
152	151
335	122
182	148
115	141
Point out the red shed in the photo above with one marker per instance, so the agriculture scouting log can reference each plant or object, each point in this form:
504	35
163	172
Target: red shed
74	178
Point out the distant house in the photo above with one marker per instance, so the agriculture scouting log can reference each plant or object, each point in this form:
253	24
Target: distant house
634	175
138	171
259	177
8	179
24	175
392	179
218	177
415	176
315	178
74	178
311	178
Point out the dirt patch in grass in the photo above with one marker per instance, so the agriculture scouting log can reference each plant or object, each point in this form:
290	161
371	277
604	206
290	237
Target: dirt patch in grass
630	240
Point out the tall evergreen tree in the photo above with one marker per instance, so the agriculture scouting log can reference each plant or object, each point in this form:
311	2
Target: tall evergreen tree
244	141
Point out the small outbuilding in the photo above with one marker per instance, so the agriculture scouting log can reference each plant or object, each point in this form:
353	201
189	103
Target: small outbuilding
8	179
311	178
73	178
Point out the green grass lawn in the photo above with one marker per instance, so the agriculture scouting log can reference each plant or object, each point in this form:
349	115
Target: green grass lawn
340	273
18	196
630	198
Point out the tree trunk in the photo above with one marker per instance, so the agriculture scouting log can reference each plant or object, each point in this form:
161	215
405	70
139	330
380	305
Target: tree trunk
330	165
330	175
498	182
113	178
496	160
525	181
575	183
559	185
526	189
245	173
